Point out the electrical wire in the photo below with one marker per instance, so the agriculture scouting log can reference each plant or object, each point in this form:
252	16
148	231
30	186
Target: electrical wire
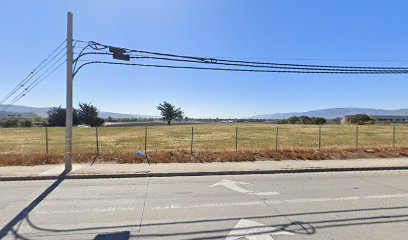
313	59
269	67
34	78
325	70
55	53
237	69
194	62
57	64
289	69
99	46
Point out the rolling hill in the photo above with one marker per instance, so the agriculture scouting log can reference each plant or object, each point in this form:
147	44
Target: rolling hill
28	112
331	113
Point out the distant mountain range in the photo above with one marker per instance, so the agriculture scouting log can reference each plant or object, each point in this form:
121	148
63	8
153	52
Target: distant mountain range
331	113
27	112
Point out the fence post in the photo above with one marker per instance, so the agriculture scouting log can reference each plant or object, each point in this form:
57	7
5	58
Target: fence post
320	137
192	140
145	145
46	140
97	141
356	136
393	136
236	139
277	137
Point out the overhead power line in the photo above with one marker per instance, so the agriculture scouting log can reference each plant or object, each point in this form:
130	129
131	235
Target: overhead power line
236	65
34	84
290	69
312	59
240	70
45	68
177	61
54	54
47	72
277	69
249	64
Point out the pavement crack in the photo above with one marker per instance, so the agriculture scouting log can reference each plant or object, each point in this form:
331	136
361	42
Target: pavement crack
144	206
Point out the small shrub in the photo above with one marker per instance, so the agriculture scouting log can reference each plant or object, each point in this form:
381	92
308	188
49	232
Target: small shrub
9	123
26	123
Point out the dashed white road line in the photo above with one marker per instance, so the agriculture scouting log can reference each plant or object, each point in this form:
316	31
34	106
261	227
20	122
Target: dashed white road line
286	201
95	210
225	204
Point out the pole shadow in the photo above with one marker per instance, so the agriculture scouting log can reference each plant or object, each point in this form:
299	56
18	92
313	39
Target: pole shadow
113	236
24	213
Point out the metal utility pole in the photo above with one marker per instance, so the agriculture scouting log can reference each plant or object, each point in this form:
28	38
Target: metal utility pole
393	136
192	140
277	138
46	140
236	139
320	137
145	146
69	110
356	136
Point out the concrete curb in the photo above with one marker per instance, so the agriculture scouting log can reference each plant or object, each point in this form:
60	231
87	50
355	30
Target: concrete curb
191	174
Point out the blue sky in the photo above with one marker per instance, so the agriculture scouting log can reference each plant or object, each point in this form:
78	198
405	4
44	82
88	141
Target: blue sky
345	32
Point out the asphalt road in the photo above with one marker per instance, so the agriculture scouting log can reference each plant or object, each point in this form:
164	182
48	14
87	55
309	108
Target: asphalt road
356	205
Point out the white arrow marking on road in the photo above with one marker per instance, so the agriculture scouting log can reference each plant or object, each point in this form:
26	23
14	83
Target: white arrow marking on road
254	231
233	185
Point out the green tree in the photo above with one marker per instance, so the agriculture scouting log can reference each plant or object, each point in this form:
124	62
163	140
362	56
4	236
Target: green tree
26	123
9	122
89	114
293	119
282	121
360	119
56	117
305	119
318	120
169	112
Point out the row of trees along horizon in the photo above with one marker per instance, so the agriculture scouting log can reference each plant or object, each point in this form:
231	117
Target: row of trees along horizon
88	114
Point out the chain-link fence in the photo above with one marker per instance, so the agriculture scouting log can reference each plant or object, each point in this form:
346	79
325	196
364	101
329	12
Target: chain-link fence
203	137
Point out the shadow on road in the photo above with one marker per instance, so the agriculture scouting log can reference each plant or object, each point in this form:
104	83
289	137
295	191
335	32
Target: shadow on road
179	228
194	229
113	236
24	213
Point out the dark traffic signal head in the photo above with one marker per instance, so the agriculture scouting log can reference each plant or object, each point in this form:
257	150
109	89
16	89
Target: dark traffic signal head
119	53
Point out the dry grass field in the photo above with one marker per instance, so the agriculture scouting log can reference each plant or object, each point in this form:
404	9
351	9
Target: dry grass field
208	138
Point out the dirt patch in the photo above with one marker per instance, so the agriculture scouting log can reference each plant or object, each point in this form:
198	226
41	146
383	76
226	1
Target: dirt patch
13	159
